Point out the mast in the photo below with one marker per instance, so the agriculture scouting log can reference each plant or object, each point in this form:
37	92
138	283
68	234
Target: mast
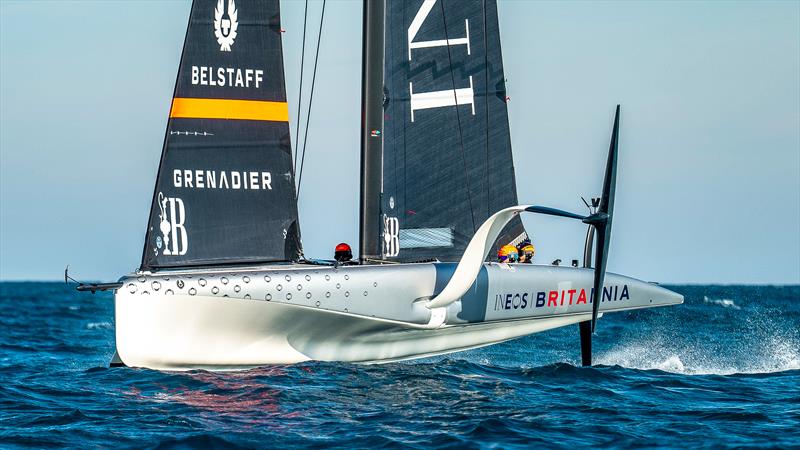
371	129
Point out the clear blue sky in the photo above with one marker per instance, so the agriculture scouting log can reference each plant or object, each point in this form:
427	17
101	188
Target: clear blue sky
709	182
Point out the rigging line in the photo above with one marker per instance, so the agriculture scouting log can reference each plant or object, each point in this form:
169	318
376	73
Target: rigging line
300	93
310	100
458	118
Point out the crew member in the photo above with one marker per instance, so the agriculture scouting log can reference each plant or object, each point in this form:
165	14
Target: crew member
507	254
526	251
343	253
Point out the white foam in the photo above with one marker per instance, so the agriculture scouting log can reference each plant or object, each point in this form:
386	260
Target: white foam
724	302
98	325
672	364
776	355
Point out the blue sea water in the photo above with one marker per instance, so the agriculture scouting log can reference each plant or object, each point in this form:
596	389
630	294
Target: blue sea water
722	370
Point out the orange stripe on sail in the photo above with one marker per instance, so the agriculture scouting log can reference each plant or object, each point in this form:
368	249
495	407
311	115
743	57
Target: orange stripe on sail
212	108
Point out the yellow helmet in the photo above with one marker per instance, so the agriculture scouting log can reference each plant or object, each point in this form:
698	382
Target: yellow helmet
507	253
528	249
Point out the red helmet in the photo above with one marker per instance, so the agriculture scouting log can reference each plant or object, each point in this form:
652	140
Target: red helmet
343	252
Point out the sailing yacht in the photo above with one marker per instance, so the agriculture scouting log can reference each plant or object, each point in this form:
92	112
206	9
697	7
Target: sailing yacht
223	282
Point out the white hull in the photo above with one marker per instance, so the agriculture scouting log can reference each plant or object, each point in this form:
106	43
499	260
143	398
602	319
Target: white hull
233	333
374	315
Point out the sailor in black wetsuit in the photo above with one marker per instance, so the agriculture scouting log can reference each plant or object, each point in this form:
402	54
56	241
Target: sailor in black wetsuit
526	251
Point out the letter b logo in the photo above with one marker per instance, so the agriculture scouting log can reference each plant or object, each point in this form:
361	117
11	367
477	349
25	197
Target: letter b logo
391	236
173	216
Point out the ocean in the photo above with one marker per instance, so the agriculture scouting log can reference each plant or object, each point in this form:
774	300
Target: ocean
721	370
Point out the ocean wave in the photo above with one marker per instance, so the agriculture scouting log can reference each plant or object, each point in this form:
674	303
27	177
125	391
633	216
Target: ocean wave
724	302
199	440
98	326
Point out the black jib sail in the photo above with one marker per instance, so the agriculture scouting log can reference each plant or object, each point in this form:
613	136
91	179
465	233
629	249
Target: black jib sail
447	163
225	188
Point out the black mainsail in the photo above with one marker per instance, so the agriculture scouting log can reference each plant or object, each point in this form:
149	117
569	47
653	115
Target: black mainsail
225	190
447	163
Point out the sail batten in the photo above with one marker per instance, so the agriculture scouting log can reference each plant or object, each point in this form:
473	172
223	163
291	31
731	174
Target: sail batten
225	189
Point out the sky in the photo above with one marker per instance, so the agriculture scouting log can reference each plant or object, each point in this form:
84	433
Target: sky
709	173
